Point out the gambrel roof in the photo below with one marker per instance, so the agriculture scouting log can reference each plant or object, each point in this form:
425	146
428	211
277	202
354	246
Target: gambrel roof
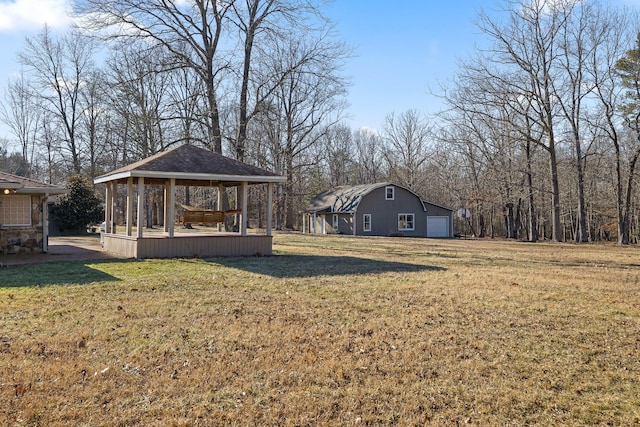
345	199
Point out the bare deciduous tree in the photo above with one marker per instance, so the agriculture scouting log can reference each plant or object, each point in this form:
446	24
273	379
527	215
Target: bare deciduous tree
337	151
140	98
189	31
22	114
307	102
94	122
260	23
60	68
525	45
407	138
607	92
368	148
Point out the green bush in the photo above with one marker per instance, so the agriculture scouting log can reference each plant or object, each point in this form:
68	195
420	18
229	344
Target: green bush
78	208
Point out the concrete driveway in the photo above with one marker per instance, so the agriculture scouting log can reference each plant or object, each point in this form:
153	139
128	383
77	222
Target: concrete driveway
85	248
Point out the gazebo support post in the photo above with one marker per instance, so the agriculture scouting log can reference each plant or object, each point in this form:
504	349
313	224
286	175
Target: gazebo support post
220	190
45	223
169	206
165	210
243	216
269	208
140	207
112	215
107	209
129	206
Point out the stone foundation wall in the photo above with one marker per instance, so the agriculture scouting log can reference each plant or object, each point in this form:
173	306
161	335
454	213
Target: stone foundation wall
20	240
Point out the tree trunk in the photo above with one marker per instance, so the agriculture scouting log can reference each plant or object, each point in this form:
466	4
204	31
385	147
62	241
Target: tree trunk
556	223
288	197
533	226
244	91
623	218
627	202
581	232
508	221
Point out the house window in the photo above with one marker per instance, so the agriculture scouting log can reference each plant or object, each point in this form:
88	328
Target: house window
389	193
15	210
336	224
406	222
366	222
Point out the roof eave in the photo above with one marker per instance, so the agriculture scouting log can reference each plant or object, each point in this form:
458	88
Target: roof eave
325	209
426	202
190	176
328	210
11	185
41	190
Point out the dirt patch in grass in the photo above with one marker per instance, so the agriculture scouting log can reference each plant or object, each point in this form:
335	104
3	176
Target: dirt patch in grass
329	331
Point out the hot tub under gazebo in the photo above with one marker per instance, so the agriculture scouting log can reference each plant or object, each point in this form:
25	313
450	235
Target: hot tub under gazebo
185	165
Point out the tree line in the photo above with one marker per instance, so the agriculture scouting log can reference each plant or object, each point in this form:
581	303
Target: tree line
539	137
545	121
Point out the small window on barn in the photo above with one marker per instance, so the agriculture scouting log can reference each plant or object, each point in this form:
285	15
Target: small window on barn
406	222
389	193
336	224
366	222
15	210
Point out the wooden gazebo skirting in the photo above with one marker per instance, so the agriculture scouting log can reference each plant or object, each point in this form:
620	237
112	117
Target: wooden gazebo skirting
188	245
192	166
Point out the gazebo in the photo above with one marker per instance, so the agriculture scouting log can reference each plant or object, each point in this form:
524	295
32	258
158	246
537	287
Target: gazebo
185	165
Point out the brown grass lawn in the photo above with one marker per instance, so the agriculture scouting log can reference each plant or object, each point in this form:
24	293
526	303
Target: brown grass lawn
330	331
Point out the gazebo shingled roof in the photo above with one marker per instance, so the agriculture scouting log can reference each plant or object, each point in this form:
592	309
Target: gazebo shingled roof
191	165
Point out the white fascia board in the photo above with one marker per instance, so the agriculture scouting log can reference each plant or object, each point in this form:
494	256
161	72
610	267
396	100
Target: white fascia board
189	176
114	177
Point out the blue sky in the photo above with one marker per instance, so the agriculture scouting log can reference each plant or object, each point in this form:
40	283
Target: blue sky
405	47
401	47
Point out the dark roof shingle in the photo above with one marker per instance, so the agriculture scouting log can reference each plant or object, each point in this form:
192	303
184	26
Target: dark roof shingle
189	160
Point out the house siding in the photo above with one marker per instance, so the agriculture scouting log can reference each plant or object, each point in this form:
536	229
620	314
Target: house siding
345	223
384	213
351	204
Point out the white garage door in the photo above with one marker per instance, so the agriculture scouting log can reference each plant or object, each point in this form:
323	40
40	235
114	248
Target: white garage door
437	226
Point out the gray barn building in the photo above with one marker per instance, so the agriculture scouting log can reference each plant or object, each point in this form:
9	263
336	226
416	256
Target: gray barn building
381	209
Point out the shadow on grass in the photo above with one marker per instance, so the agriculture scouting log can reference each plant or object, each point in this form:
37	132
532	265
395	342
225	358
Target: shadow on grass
300	266
53	273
